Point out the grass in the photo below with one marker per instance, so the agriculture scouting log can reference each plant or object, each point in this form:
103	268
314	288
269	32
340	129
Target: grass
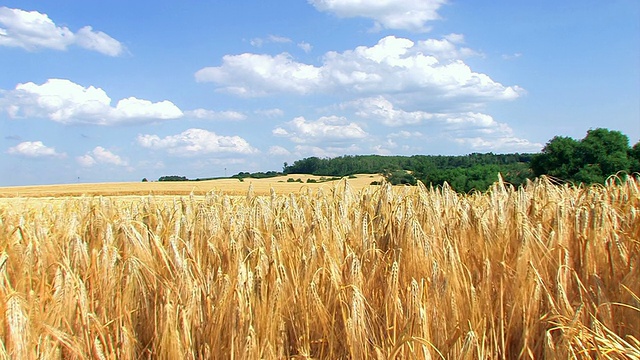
330	272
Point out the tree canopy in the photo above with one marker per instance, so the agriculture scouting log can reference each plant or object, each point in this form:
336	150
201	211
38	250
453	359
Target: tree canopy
464	173
173	178
600	154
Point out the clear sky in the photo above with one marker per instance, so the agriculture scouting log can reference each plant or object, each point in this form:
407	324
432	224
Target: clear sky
120	90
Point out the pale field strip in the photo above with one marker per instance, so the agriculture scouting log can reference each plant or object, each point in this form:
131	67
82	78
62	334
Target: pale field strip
261	187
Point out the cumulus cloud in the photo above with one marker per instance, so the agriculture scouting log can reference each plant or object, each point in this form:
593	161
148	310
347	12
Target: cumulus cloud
302	151
385	148
86	160
32	30
446	48
409	15
215	115
481	132
258	75
66	102
278	151
394	65
476	130
505	143
100	155
328	128
35	149
382	110
196	142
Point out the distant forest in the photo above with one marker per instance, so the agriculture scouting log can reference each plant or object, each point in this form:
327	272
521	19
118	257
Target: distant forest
600	154
463	173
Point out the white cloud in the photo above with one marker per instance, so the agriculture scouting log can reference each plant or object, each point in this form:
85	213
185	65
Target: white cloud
280	132
270	113
279	39
34	149
259	42
66	102
511	56
215	115
32	30
446	48
455	38
479	131
132	108
197	142
391	14
305	46
302	151
503	143
393	65
328	128
384	148
405	134
257	75
100	155
86	160
278	151
98	41
382	110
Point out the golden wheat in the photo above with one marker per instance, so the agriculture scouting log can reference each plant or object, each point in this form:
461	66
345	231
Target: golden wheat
542	271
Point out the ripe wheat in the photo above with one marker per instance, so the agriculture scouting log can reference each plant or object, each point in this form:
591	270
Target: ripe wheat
543	271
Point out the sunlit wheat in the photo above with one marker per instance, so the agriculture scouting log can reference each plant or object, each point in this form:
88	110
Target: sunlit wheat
543	271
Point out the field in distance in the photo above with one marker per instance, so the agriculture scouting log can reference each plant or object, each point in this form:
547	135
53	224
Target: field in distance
230	186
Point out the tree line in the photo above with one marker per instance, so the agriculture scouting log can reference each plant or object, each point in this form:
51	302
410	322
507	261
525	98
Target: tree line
463	173
600	154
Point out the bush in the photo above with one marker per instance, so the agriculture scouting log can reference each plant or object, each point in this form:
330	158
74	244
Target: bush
173	178
401	177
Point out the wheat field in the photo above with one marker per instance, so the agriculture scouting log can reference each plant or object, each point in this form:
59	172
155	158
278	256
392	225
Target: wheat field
542	271
229	186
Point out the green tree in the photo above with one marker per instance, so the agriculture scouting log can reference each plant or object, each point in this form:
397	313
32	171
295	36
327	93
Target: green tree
604	150
173	178
634	158
558	158
600	154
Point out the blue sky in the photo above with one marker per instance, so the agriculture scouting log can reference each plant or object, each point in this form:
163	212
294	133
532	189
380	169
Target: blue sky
121	90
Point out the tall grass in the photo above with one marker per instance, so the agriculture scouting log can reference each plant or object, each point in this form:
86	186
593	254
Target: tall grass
543	271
